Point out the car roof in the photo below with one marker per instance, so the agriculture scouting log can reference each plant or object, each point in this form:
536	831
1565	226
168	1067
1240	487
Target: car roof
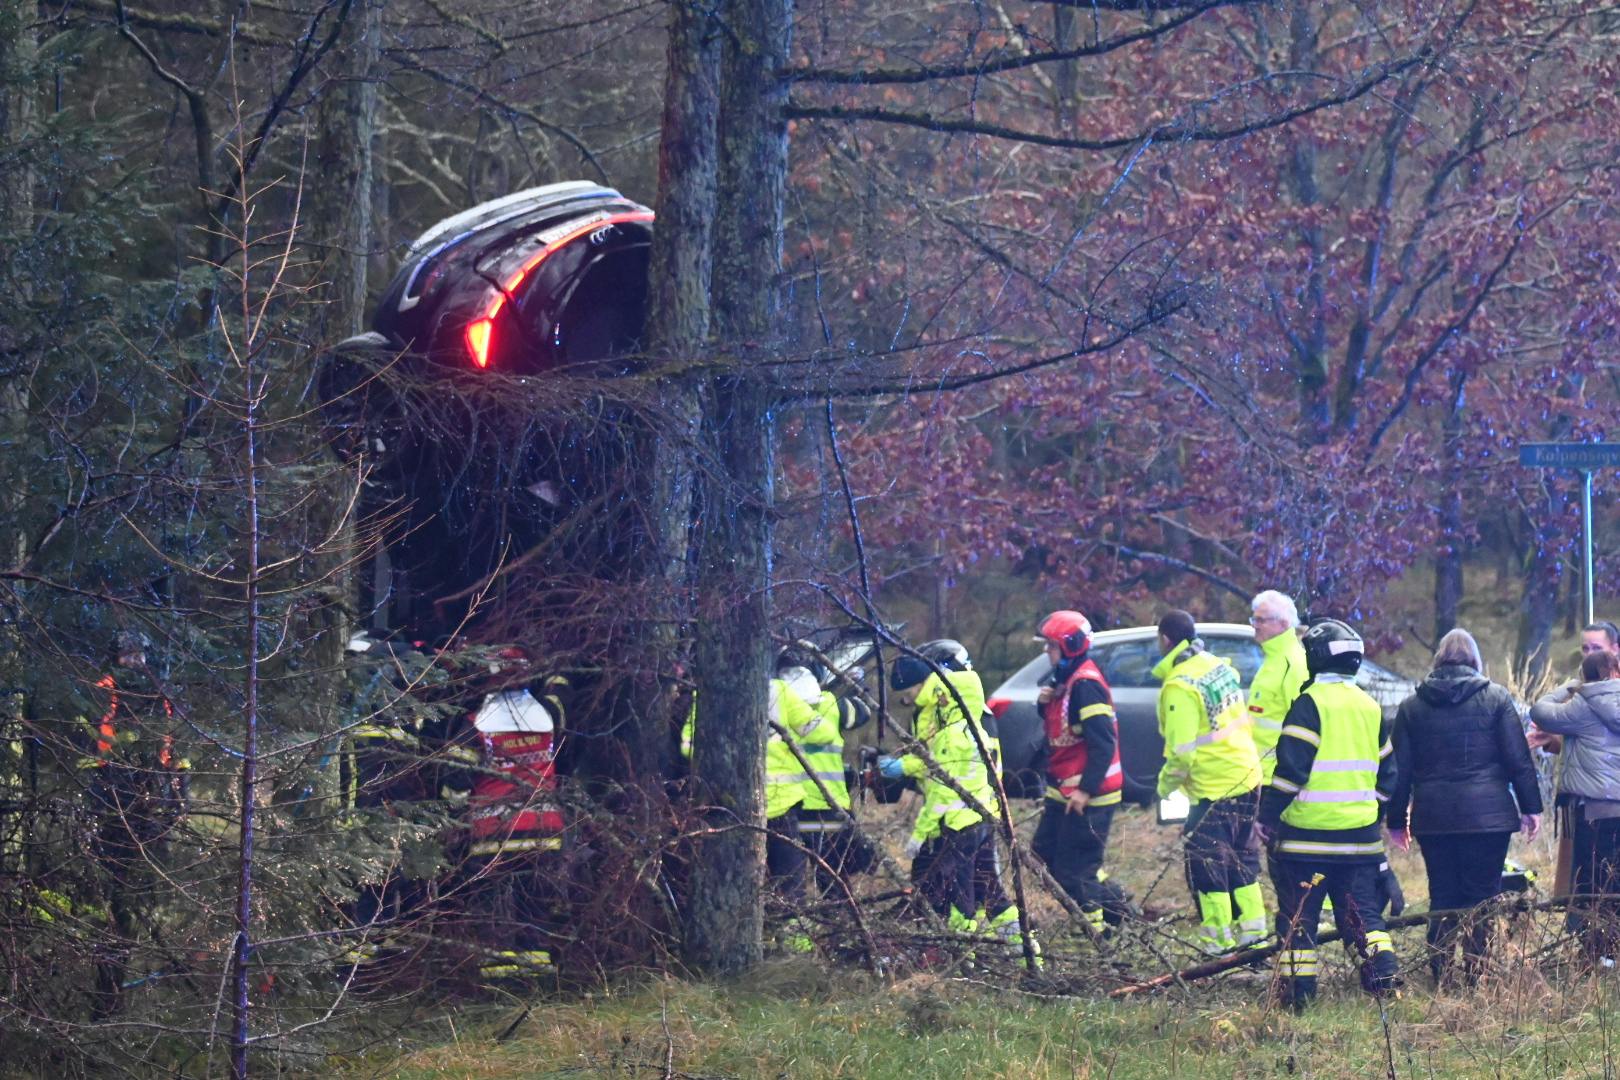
1138	633
489	213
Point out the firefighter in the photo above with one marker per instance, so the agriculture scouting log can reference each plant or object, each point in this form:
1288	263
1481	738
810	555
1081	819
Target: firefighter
1320	817
793	699
823	826
136	783
384	772
503	756
792	703
1275	686
1084	778
947	876
995	913
1209	754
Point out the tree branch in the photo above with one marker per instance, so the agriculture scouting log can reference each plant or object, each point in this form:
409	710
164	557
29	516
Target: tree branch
881	76
1176	132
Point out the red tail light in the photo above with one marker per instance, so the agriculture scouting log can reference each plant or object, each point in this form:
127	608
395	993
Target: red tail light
998	705
478	337
481	332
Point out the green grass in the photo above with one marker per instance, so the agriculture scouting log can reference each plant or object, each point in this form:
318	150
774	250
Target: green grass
799	1019
934	1027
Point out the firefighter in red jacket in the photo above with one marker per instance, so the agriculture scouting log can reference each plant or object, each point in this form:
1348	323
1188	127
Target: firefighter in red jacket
385	772
504	757
136	783
1084	777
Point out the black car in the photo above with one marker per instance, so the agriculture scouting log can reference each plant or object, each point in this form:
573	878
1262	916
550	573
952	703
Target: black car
463	399
1127	657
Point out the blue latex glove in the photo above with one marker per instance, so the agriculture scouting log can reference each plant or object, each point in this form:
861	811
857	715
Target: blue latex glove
890	768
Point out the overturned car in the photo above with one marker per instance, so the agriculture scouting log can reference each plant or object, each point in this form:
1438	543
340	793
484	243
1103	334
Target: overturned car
476	399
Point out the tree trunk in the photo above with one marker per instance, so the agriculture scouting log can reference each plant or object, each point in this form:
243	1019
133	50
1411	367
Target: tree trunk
1066	81
724	913
678	313
339	184
1538	606
337	232
17	54
1448	560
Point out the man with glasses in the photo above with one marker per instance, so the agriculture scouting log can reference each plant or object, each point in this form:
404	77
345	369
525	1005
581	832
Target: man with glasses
1281	674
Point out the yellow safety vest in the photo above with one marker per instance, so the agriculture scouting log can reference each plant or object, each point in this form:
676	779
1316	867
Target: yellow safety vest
1342	791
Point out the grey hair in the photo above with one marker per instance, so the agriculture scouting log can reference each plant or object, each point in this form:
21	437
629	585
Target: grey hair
1279	603
1458	647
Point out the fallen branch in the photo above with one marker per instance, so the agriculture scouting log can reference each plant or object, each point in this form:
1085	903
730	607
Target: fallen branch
1248	957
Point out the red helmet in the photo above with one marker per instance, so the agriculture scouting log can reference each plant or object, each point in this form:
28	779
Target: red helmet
1069	631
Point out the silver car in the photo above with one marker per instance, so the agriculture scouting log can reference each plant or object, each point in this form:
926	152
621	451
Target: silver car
1127	657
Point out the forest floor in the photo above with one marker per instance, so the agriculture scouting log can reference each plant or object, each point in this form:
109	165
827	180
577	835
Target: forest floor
794	1020
1537	1014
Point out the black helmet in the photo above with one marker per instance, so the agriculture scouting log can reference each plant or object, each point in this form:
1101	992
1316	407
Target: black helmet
908	671
949	654
1331	646
801	654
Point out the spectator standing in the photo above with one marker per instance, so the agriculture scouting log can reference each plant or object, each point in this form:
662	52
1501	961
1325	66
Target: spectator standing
1588	717
1464	785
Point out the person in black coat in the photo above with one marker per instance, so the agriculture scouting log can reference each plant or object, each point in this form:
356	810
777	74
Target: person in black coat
1464	770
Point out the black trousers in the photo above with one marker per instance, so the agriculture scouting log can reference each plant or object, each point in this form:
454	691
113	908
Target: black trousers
1073	846
784	857
827	834
511	902
945	871
1465	870
1595	870
1358	912
989	893
1222	852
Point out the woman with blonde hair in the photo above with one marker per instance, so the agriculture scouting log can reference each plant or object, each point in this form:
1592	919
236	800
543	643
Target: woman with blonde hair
1464	773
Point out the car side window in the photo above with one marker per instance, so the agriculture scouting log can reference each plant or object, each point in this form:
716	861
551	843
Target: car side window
1243	653
1127	663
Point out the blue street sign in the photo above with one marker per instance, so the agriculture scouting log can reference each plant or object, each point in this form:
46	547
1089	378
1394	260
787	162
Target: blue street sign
1584	456
1565	455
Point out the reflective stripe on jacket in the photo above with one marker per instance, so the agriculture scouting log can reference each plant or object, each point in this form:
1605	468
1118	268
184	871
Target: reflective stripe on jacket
823	747
784	776
1208	743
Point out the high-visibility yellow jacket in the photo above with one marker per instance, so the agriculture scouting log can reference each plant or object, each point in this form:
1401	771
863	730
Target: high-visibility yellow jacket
1335	766
814	729
1273	690
823	747
784	776
942	727
1208	748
